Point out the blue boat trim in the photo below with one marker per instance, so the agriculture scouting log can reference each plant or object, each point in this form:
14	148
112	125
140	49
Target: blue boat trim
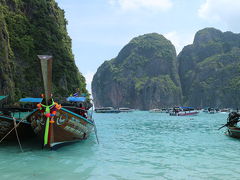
6	117
29	99
76	99
17	120
77	115
2	97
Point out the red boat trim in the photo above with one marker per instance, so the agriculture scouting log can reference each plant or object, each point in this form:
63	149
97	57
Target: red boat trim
186	114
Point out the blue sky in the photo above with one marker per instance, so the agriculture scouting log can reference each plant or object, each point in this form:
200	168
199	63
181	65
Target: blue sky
100	28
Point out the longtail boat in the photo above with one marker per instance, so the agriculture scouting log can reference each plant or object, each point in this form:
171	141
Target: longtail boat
13	123
233	129
183	111
54	124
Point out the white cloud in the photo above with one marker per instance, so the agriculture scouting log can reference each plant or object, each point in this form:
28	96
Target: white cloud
155	5
179	41
174	38
220	11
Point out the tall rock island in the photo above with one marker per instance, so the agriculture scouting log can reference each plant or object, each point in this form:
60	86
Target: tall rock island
29	28
209	69
144	75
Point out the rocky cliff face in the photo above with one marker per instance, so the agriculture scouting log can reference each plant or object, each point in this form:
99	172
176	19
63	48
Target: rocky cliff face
144	75
29	28
6	64
209	69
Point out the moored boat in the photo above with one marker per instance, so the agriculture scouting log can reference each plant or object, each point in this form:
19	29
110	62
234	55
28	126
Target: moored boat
233	128
183	111
125	109
54	124
164	110
107	110
211	111
205	110
225	110
155	110
233	132
13	123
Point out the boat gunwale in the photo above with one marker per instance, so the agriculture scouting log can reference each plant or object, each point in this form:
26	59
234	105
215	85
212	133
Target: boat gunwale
68	111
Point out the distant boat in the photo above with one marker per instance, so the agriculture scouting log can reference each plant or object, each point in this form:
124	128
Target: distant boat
225	110
155	111
211	111
205	110
55	125
12	123
125	109
107	110
164	110
233	129
183	111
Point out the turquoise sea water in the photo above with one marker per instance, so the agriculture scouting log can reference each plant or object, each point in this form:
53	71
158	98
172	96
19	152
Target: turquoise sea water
133	146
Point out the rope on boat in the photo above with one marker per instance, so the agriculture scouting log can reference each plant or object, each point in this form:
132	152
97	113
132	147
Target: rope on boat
95	129
11	130
15	127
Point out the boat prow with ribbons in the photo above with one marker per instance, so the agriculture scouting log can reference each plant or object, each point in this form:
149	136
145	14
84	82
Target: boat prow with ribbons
56	125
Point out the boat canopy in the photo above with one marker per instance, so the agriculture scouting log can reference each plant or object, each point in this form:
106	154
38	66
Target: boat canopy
33	100
76	99
184	108
2	97
187	107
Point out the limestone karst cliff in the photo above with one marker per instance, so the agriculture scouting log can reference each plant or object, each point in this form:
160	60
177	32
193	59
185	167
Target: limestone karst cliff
143	75
29	28
209	69
146	74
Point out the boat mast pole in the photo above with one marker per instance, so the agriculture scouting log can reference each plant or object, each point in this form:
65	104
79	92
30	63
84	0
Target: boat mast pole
46	65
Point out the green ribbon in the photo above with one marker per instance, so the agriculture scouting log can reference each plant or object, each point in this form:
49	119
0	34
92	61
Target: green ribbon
47	110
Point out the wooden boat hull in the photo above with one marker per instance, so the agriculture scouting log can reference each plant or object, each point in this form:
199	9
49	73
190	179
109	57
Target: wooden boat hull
67	127
233	132
24	129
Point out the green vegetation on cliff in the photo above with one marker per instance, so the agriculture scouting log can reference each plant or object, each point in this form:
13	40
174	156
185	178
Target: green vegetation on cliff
143	75
209	69
29	28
